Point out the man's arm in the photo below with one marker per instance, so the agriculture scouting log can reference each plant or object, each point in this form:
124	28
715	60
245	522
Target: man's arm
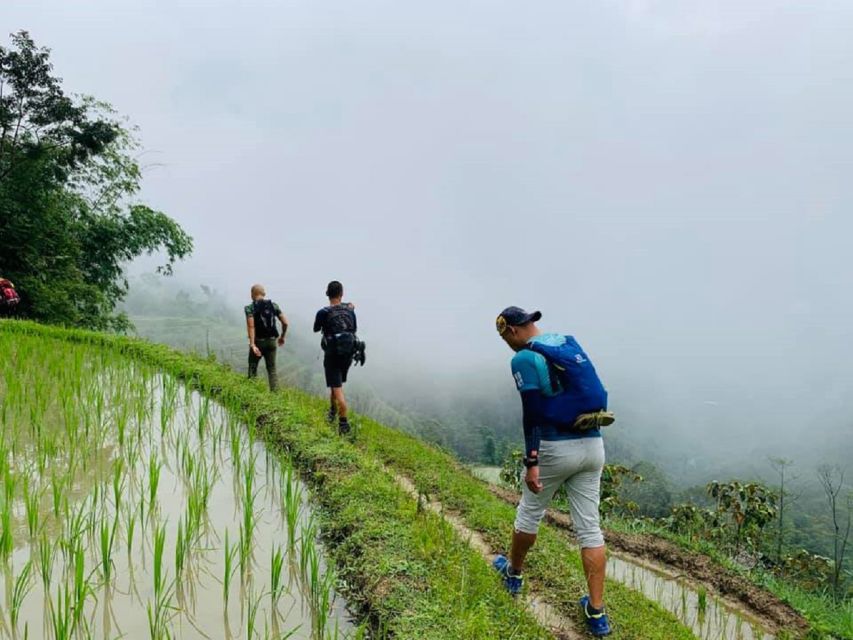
527	380
250	329
318	320
531	406
283	319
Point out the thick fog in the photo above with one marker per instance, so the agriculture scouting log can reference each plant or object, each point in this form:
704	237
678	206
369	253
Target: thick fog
669	181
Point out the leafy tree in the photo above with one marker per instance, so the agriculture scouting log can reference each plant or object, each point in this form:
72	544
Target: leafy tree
748	506
68	218
653	495
512	468
808	570
612	478
692	521
490	448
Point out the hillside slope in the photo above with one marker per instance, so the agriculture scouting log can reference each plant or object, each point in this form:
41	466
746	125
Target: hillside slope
406	572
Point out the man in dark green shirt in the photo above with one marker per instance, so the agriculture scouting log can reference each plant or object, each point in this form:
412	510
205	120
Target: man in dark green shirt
264	338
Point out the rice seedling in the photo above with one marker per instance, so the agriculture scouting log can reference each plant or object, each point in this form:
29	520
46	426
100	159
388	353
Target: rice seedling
81	587
244	547
230	551
276	585
61	614
236	446
254	603
154	468
74	528
118	482
32	500
46	555
203	417
159	614
19	592
702	601
107	542
159	545
57	486
306	548
181	550
122	419
291	506
7	543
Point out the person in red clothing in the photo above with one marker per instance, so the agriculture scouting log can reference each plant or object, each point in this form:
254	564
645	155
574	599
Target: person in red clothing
9	297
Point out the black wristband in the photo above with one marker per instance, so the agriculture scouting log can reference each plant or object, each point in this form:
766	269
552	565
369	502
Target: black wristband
531	462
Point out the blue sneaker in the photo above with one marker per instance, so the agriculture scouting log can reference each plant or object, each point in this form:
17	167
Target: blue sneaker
597	624
511	582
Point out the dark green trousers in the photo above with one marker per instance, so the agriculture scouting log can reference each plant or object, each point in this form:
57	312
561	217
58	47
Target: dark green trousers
268	349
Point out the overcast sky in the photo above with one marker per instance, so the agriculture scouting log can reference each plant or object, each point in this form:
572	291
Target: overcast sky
668	180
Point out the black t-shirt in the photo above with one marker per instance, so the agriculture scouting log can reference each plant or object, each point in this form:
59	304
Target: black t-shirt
339	318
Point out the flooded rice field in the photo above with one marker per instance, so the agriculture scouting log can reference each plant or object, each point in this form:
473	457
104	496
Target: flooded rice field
706	615
133	507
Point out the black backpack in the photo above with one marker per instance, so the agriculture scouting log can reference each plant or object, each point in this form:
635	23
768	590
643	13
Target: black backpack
338	320
338	329
264	314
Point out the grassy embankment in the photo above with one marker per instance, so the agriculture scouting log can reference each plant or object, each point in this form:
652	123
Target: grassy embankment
408	569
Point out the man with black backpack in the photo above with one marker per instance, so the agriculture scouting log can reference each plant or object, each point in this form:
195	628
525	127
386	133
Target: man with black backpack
264	338
564	403
338	323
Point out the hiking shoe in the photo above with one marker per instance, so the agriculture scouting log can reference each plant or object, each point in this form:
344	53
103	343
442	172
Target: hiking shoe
596	623
331	415
512	582
343	427
594	420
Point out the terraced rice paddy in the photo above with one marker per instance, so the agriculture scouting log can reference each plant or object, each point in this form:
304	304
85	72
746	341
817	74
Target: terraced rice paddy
133	507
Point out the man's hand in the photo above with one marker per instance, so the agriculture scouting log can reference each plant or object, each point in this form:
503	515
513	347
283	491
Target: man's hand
255	350
531	479
281	341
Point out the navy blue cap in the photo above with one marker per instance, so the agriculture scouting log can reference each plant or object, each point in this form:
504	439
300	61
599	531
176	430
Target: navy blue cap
515	317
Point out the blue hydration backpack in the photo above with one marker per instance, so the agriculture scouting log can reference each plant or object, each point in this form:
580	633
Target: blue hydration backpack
574	381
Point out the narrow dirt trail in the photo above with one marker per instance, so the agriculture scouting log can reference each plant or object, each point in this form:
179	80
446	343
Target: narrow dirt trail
562	627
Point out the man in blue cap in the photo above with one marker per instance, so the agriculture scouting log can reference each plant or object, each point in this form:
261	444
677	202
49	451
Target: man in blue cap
564	406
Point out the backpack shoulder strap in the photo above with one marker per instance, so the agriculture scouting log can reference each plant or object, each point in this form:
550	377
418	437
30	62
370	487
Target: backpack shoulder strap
549	353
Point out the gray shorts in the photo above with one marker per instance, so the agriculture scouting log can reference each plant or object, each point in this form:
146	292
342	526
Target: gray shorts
578	463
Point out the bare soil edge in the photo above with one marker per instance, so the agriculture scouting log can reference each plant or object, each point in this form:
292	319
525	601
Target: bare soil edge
698	570
561	627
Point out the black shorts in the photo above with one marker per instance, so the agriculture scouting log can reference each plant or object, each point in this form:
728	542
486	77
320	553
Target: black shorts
336	368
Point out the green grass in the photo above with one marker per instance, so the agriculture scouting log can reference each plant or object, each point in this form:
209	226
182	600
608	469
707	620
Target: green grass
554	569
826	616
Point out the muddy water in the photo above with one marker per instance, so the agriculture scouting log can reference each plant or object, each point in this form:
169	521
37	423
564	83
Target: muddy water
706	615
194	443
